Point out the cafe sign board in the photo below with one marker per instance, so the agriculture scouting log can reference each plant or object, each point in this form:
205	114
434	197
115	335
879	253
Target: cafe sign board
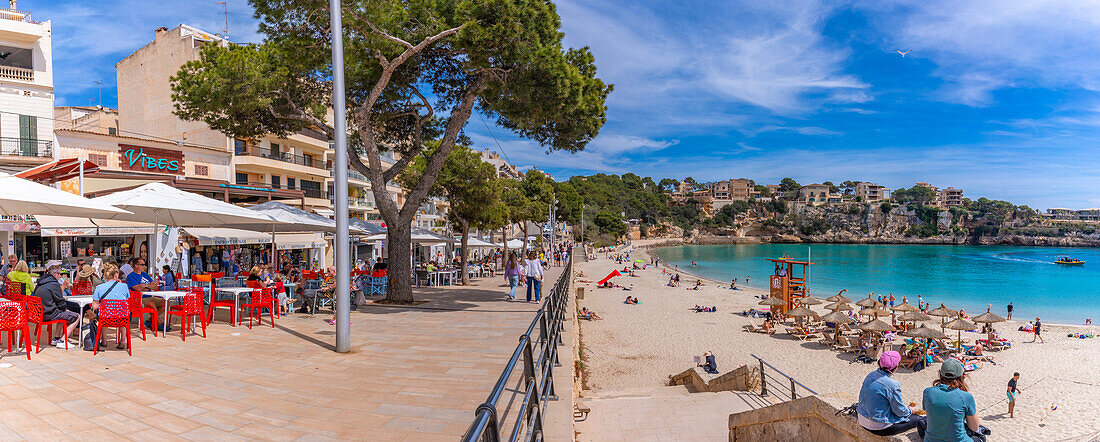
151	159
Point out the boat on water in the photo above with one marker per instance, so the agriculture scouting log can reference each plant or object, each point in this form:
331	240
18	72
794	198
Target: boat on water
1065	260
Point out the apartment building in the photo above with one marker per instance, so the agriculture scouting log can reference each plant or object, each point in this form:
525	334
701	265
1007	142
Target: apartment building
1059	213
871	192
26	91
814	195
97	119
291	169
946	198
504	168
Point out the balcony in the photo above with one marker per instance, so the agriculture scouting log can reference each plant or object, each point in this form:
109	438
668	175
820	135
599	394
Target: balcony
315	134
13	15
26	147
301	160
18	74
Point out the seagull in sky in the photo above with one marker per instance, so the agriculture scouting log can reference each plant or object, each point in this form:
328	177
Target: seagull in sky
903	53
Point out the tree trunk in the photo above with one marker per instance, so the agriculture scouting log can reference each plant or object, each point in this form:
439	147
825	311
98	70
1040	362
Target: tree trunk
504	241
399	262
465	242
523	231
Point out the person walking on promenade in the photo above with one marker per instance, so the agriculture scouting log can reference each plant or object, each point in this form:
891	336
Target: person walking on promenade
1012	392
1009	311
511	273
1038	331
533	270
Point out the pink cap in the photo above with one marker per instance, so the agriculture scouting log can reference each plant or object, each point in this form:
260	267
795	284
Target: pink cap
889	360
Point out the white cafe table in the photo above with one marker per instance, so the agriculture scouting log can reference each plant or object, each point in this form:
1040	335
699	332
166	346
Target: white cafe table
236	292
83	301
166	295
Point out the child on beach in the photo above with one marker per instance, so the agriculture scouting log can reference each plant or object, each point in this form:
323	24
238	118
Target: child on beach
1012	392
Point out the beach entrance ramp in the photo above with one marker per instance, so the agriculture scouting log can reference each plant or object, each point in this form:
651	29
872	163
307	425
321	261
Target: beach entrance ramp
808	418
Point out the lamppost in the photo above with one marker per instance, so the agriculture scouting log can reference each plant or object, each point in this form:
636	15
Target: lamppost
340	200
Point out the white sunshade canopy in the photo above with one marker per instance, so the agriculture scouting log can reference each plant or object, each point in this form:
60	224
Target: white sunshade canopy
76	226
213	236
514	243
25	197
419	236
477	243
166	205
294	220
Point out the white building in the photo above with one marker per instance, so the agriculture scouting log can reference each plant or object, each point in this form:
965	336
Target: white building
26	91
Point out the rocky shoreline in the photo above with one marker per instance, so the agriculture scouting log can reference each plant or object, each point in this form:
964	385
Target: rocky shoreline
833	238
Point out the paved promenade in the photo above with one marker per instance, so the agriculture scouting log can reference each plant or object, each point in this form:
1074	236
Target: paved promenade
414	373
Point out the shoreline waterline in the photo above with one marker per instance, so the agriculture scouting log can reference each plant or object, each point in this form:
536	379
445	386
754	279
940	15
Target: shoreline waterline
971	277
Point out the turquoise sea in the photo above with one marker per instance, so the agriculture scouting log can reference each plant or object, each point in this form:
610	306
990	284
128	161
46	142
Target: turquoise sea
960	276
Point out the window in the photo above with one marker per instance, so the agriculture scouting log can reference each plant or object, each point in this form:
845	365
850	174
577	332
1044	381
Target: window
17	57
276	182
202	170
289	183
307	160
112	131
28	135
240	147
312	189
98	159
242	178
274	149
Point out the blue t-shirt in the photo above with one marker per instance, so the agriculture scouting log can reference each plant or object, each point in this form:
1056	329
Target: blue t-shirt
135	278
119	292
947	411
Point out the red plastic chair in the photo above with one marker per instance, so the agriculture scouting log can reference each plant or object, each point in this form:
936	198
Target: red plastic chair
217	275
259	300
139	310
214	302
253	284
13	318
12	288
34	316
192	306
83	288
114	313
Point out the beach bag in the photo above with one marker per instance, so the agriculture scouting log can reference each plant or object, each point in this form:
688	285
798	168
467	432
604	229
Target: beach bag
89	336
980	435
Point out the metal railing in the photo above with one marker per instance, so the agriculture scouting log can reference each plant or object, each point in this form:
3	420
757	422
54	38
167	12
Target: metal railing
781	393
282	156
26	147
539	356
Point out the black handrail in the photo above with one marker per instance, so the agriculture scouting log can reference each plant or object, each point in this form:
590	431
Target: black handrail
538	376
764	382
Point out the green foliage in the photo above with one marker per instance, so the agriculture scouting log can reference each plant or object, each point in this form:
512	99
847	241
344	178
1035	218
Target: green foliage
668	185
915	194
470	184
832	187
776	206
610	224
763	190
788	186
570	203
886	207
814	226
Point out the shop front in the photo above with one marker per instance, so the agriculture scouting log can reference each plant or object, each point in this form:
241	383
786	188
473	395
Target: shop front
233	250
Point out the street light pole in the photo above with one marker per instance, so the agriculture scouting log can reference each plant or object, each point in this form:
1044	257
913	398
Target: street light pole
340	201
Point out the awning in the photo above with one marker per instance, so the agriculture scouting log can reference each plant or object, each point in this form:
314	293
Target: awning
215	236
325	212
59	170
65	226
289	241
117	227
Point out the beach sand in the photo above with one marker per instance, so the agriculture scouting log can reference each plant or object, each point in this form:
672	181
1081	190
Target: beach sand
639	346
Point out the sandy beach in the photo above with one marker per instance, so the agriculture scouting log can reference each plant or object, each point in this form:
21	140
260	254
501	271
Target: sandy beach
641	345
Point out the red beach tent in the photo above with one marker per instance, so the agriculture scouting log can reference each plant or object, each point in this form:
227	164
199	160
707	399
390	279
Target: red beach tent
613	274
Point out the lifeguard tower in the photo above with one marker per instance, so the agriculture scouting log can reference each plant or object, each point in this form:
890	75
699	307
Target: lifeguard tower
789	282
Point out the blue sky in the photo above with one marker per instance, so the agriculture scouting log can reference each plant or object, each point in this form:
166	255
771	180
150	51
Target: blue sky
1002	102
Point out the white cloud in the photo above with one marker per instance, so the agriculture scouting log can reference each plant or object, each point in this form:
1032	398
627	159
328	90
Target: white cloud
801	130
979	48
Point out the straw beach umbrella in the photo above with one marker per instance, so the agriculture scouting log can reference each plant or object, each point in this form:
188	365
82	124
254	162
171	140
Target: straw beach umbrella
869	302
773	301
924	332
839	297
873	311
905	306
988	317
914	316
810	300
943	313
961	324
838	306
836	318
800	311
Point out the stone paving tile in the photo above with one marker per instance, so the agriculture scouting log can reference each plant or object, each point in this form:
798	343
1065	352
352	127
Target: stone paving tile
414	373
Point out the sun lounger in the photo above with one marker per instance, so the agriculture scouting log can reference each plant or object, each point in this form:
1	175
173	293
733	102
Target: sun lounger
752	328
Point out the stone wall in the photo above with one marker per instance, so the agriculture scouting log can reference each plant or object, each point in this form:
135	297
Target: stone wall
744	378
809	418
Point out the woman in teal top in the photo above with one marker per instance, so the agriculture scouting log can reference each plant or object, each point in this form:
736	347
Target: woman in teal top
950	406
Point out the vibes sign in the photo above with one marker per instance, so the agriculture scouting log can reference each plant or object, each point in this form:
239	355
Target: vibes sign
151	159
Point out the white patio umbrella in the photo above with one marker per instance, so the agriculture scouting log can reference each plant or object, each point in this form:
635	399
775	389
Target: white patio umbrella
419	236
514	243
24	197
166	205
293	220
477	243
